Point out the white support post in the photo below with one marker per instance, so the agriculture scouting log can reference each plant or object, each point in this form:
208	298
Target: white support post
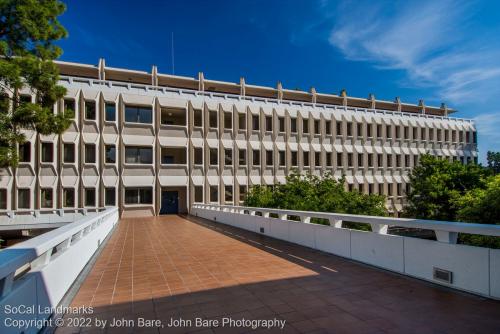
265	214
335	222
283	216
305	219
446	236
252	212
379	228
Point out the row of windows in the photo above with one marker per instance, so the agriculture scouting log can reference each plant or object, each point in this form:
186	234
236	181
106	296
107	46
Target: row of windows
132	196
144	155
142	114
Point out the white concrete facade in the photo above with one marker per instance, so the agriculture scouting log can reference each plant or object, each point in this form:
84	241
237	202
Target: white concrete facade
133	139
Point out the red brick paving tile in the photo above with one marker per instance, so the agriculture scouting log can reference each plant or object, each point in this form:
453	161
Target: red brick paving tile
171	267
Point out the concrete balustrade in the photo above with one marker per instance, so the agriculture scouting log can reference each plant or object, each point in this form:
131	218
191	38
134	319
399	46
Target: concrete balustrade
471	269
39	272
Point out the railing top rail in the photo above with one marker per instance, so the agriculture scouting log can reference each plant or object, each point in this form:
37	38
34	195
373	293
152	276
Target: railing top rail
459	227
16	256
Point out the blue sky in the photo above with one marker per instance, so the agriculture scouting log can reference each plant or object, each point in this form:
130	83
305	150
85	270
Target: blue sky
439	51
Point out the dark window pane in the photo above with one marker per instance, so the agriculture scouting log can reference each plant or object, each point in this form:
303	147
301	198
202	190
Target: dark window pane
110	196
90	197
90	110
47	152
110	112
25	152
90	153
23	198
3	199
110	154
46	198
69	198
69	153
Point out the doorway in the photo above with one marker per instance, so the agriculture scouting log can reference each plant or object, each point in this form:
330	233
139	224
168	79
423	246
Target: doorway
169	202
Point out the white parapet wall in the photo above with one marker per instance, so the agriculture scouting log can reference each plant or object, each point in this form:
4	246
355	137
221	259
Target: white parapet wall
38	273
468	268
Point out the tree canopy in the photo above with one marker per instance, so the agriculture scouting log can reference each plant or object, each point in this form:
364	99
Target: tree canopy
28	30
313	193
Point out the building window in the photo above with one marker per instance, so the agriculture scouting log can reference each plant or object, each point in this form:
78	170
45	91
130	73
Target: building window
389	189
69	153
328	158
328	127
349	159
228	121
138	155
317	159
439	138
360	130
360	159
198	194
110	196
316	127
173	155
228	194
46	200
256	157
305	125
243	192
474	137
379	130
198	156
175	117
3	199
69	197
228	157
242	157
214	194
214	159
415	160
110	115
431	134
349	129
370	188
398	132
293	125
398	160
380	160
198	118
406	132
212	119
110	155
242	122
255	123
305	159
339	159
388	130
47	152
282	158
282	124
369	130
294	159
138	196
460	136
269	124
407	160
90	113
415	133
90	197
25	152
370	160
269	158
389	160
90	154
339	128
446	135
138	114
399	189
69	105
423	133
23	198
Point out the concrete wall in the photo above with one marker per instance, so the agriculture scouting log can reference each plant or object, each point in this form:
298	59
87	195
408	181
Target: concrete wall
474	269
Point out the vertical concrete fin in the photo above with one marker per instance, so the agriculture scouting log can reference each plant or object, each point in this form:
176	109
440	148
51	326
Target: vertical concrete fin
314	95
154	75
242	86
279	87
102	67
201	82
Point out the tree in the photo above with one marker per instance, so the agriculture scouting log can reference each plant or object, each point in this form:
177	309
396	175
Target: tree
312	193
493	159
437	183
28	30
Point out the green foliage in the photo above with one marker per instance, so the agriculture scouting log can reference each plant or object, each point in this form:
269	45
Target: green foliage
28	29
312	193
437	183
493	161
444	190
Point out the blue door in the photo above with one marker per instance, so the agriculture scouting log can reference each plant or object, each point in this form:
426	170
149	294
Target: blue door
169	202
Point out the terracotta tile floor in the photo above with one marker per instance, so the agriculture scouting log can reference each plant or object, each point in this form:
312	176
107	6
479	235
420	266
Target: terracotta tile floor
173	267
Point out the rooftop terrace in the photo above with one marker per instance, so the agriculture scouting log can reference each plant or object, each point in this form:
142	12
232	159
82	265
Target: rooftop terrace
174	267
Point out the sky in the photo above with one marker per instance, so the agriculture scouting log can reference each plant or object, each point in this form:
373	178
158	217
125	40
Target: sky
437	50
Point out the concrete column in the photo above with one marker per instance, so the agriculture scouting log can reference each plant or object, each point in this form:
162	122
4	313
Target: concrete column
314	95
421	104
446	236
102	66
335	222
201	82
279	87
154	76
242	86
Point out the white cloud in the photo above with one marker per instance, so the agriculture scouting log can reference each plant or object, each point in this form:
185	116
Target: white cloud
488	125
429	40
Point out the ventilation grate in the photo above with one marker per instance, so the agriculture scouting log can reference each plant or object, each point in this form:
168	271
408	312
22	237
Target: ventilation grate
442	275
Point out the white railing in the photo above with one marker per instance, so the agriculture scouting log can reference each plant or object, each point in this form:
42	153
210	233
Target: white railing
468	268
38	272
43	218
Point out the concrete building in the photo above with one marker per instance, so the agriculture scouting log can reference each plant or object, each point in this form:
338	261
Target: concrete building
153	143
